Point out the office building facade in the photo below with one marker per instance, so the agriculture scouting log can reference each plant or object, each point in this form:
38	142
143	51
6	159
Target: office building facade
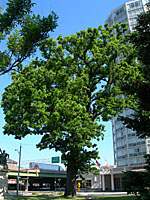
129	150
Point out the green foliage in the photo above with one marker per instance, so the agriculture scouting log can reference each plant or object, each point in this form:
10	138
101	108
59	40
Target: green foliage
137	183
21	44
133	182
64	96
141	37
8	18
140	87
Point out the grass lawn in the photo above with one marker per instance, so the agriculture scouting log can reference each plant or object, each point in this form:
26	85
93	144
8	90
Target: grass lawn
76	198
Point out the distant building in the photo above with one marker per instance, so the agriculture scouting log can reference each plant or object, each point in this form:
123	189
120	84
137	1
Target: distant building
128	149
127	13
12	165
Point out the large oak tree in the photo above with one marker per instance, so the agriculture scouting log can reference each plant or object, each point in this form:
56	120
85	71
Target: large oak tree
64	95
21	31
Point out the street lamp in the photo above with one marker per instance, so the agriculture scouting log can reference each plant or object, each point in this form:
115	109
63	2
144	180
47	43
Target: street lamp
19	152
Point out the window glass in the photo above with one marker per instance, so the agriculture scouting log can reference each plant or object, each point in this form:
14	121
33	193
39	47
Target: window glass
132	20
122	162
135	12
134	4
119	11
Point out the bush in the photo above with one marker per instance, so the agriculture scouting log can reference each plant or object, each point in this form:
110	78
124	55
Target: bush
137	183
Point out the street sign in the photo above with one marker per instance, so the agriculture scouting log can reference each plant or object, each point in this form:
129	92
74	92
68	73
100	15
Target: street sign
55	159
62	160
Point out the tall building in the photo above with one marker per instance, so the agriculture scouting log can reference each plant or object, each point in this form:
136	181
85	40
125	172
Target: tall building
129	150
127	13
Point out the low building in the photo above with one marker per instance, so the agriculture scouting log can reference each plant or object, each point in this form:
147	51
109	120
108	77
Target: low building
109	179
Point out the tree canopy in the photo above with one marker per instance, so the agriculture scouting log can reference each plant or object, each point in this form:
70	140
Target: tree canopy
64	95
21	31
140	87
139	182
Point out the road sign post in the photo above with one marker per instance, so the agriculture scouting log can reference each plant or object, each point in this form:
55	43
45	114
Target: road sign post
55	159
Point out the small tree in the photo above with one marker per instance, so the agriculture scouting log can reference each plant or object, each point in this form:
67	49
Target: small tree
138	183
22	31
64	96
133	183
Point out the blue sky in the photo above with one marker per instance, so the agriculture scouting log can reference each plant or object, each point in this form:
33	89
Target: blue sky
74	15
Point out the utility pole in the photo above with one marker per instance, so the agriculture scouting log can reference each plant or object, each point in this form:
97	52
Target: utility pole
19	152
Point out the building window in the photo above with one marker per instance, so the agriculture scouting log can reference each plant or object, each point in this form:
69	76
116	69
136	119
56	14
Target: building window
119	11
135	12
122	162
133	20
137	161
134	5
148	141
148	149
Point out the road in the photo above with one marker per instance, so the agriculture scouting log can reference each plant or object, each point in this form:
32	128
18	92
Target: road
86	194
101	194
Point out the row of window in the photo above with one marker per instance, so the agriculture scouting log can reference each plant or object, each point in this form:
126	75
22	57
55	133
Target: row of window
131	142
137	154
120	19
120	128
122	147
122	157
140	143
135	12
131	134
126	112
137	150
134	5
148	141
133	20
132	161
130	138
127	132
137	160
120	11
136	144
121	138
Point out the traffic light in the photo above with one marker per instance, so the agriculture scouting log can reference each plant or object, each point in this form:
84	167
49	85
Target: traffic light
79	184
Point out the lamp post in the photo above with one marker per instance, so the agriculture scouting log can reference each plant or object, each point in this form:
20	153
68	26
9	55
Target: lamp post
19	152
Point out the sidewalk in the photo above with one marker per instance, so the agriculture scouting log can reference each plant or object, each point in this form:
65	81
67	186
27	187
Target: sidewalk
101	194
84	194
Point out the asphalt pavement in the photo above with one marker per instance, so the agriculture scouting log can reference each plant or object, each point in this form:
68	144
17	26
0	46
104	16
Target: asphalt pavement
86	194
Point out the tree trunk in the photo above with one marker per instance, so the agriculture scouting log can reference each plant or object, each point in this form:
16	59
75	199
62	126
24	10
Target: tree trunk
71	180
